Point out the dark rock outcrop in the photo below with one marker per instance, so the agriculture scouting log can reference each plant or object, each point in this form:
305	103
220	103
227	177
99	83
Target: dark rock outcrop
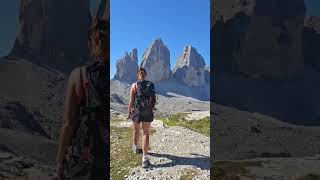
259	38
156	60
311	42
127	67
272	45
258	59
53	32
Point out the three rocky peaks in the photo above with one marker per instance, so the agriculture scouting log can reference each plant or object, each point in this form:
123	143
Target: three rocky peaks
190	68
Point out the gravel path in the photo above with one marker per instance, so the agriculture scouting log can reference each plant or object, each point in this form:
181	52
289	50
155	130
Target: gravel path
175	151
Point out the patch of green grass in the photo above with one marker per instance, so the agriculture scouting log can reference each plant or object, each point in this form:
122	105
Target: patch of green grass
228	170
189	174
122	158
310	177
201	126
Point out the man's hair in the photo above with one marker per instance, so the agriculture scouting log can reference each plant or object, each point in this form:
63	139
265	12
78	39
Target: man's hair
99	38
142	73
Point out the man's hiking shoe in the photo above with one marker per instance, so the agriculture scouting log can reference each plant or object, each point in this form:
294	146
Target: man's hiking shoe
146	163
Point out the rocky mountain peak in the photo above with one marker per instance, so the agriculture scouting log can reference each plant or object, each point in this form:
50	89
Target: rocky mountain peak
134	54
190	68
158	41
156	60
190	57
127	66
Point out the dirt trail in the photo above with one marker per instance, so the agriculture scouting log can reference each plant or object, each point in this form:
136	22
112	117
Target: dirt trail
176	152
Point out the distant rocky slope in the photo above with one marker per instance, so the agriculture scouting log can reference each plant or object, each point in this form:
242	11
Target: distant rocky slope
31	98
241	134
171	97
190	69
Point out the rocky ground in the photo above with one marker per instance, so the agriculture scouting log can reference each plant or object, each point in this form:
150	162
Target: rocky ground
255	146
31	97
30	117
293	168
176	152
244	135
25	156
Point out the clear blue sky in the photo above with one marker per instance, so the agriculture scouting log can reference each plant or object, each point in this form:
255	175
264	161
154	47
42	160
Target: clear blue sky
135	24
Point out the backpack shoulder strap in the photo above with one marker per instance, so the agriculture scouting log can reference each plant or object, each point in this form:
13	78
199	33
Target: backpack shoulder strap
136	86
89	84
82	87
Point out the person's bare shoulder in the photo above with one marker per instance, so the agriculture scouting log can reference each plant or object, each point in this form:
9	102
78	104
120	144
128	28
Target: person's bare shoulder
75	74
132	85
74	77
133	88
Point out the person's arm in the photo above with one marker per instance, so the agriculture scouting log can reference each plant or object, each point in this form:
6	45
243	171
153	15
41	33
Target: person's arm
132	94
71	110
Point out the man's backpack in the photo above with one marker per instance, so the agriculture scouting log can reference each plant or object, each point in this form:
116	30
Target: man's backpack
144	101
87	155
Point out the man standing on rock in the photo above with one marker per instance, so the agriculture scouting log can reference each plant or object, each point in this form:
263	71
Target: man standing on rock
140	111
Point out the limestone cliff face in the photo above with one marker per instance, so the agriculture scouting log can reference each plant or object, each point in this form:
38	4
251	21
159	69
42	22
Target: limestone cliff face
259	38
311	42
156	60
53	32
127	67
190	68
